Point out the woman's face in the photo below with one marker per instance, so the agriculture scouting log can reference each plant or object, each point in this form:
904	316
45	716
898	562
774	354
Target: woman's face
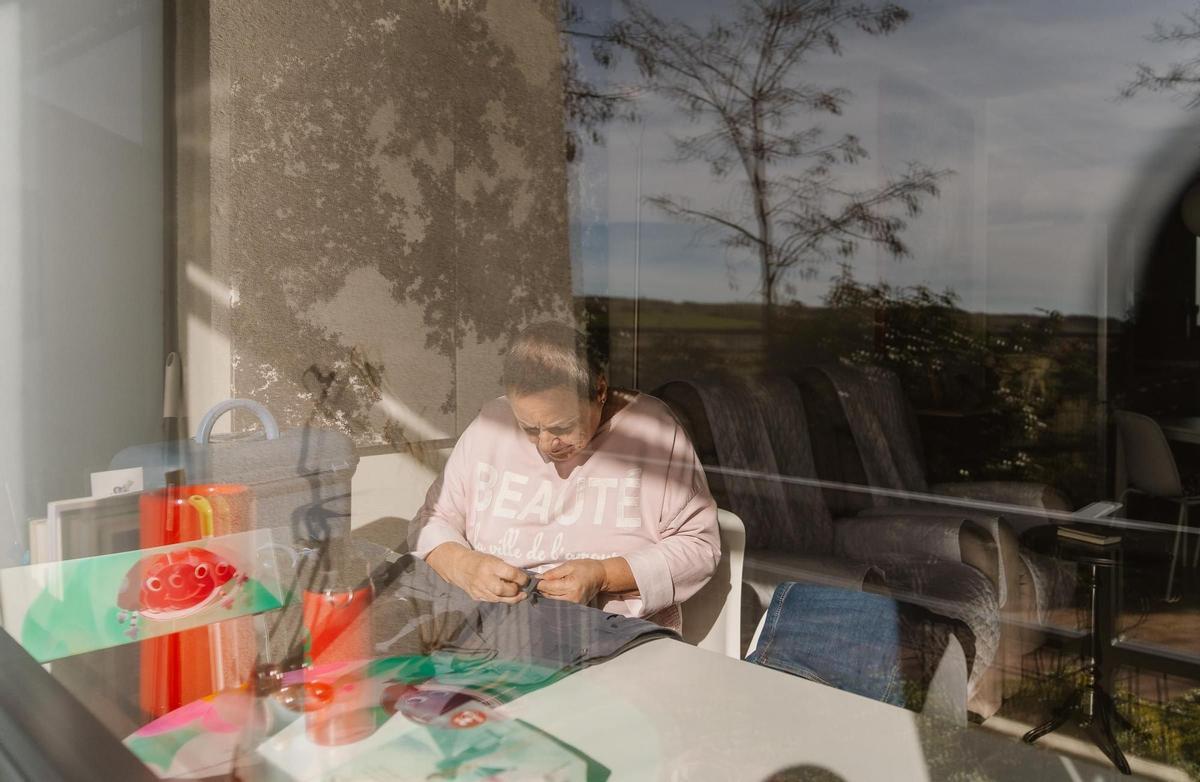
557	421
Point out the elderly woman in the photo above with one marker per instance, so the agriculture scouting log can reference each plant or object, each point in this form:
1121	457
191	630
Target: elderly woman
597	489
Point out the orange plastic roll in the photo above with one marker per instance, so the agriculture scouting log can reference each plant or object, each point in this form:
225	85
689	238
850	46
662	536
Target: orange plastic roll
185	666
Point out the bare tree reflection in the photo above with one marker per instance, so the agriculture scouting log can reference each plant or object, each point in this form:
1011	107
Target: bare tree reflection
1180	78
743	82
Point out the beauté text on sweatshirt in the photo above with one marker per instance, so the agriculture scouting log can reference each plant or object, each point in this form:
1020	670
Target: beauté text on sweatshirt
636	491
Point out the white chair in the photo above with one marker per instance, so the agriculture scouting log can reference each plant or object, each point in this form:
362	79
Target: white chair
712	618
762	622
1151	470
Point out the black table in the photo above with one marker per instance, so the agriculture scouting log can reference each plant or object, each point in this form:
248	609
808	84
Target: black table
1093	705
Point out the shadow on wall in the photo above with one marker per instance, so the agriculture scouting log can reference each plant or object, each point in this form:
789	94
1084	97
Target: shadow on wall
386	206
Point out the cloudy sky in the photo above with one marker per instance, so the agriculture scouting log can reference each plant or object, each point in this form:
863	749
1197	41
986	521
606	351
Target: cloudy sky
1018	98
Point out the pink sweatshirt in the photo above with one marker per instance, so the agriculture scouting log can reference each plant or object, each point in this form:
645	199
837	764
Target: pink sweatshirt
637	492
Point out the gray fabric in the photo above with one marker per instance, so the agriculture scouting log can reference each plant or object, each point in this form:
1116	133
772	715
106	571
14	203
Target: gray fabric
1053	582
415	612
419	613
883	428
1034	496
739	435
688	408
783	414
1001	542
777	516
957	591
879	538
885	433
762	429
836	454
881	423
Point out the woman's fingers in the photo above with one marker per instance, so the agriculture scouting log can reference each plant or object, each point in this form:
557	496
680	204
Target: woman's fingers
555	573
553	586
489	596
560	589
498	592
494	580
501	588
499	583
506	572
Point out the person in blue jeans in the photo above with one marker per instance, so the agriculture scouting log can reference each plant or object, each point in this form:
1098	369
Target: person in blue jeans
865	643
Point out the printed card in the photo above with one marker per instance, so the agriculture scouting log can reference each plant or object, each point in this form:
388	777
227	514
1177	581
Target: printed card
59	609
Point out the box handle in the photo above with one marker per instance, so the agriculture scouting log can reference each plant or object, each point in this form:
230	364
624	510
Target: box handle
204	431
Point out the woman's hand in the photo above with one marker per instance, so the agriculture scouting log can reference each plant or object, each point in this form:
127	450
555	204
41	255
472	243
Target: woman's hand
580	580
480	575
577	581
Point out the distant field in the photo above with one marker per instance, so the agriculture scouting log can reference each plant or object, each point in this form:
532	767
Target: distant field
683	316
697	321
744	316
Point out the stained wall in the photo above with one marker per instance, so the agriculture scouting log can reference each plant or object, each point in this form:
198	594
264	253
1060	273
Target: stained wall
380	202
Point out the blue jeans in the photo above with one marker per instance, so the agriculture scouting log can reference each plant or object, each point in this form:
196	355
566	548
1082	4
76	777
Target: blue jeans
846	639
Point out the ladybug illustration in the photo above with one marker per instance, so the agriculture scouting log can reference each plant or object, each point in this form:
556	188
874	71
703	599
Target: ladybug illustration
175	585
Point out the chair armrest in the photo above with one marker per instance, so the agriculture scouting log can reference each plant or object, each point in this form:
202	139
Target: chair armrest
712	617
762	565
1035	496
928	534
900	536
1002	528
764	570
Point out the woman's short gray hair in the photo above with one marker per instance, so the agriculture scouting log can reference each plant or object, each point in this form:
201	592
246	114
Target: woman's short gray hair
552	355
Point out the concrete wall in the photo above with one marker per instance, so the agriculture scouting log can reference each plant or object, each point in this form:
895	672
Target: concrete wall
385	196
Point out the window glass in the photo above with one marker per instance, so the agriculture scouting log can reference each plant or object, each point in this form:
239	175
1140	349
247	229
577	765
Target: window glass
960	232
606	389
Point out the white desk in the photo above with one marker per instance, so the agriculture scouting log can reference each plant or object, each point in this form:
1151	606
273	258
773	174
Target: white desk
666	710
